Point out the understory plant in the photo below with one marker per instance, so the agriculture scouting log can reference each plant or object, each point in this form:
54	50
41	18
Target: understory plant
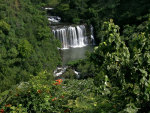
124	67
42	94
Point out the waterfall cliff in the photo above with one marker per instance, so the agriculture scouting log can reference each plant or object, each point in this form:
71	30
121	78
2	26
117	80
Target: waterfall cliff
73	36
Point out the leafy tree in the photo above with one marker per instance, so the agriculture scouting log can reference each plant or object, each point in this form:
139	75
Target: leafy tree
27	46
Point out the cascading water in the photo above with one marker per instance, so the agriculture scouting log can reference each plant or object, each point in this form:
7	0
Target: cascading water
75	37
54	19
82	38
92	35
72	36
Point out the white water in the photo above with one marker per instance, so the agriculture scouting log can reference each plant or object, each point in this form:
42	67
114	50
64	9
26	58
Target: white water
48	8
72	36
61	70
82	36
92	35
54	19
77	74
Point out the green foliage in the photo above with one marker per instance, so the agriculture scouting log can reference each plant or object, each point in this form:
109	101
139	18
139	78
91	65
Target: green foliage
4	27
120	66
29	96
64	7
26	44
25	48
69	74
95	12
86	69
76	21
128	65
43	33
41	94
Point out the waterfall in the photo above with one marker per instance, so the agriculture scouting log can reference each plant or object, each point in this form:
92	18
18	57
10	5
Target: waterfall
72	36
92	35
82	38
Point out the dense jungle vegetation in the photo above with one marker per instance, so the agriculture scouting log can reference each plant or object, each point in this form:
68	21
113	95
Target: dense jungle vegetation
115	77
26	45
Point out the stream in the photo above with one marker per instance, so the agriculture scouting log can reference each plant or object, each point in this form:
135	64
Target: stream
75	53
76	40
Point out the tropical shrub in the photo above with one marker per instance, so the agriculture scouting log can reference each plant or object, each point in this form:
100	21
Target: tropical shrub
124	67
43	94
